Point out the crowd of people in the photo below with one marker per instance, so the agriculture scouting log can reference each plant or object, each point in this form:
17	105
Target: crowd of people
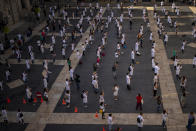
98	23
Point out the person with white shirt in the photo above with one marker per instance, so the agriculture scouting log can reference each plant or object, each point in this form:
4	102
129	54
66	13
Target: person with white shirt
164	118
156	69
45	83
102	108
165	39
28	93
140	120
71	73
153	52
101	97
137	48
115	92
67	85
153	64
4	115
24	77
85	98
178	68
162	3
63	52
183	46
131	69
110	122
150	38
128	80
95	85
7	74
27	65
133	56
20	118
32	57
67	98
175	62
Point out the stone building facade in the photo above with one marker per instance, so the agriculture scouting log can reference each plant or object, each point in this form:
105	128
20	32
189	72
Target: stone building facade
12	10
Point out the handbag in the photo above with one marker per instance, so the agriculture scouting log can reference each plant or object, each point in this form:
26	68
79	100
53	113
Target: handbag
142	101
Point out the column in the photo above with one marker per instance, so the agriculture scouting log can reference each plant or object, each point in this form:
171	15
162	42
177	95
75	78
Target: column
27	4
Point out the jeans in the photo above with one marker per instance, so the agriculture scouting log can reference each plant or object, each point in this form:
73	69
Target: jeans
110	127
164	123
78	85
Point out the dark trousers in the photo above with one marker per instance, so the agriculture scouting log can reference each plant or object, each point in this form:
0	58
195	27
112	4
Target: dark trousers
139	105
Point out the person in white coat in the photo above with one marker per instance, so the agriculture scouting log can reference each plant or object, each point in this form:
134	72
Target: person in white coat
153	52
71	71
128	80
85	98
140	120
178	68
27	65
4	115
137	48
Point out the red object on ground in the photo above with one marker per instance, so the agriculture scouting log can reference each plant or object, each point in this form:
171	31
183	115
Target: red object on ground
104	129
42	100
63	102
8	100
96	115
24	101
76	110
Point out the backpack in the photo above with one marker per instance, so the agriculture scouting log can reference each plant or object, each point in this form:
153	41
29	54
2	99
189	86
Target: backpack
21	115
138	120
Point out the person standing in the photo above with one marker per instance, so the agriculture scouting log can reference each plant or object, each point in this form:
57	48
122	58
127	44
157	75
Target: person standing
67	84
95	85
20	118
183	83
67	98
4	115
114	70
102	109
133	56
178	68
69	63
164	118
85	98
77	80
155	89
71	71
139	101
128	80
183	46
183	99
115	92
131	69
191	120
165	39
110	122
140	120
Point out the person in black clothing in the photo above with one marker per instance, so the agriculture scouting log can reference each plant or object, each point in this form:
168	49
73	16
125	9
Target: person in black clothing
114	70
77	79
191	120
130	23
